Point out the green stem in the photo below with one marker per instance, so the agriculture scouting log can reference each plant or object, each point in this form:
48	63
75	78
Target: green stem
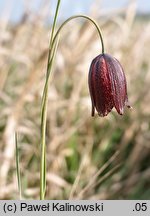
60	28
80	16
51	56
52	33
44	111
54	22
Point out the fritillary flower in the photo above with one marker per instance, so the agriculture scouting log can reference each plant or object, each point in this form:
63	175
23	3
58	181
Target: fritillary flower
107	85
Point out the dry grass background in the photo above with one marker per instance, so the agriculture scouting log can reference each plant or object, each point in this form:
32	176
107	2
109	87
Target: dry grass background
87	158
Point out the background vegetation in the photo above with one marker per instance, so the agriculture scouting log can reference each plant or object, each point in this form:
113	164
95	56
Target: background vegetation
87	158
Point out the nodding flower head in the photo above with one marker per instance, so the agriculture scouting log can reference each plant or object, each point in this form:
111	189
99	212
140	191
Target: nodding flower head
107	85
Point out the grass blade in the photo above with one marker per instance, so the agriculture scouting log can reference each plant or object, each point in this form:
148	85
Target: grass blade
18	167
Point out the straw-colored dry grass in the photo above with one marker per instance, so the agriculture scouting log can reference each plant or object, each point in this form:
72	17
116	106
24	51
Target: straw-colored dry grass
87	158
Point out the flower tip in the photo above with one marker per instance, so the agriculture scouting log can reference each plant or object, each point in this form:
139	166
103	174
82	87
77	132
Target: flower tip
128	105
93	111
121	111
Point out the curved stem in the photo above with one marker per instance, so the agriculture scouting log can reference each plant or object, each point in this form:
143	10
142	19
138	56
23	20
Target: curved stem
85	17
51	56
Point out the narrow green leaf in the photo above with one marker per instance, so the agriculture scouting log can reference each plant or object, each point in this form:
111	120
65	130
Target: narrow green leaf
18	167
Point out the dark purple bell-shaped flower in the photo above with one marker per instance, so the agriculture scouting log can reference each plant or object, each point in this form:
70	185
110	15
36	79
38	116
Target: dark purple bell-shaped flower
107	85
